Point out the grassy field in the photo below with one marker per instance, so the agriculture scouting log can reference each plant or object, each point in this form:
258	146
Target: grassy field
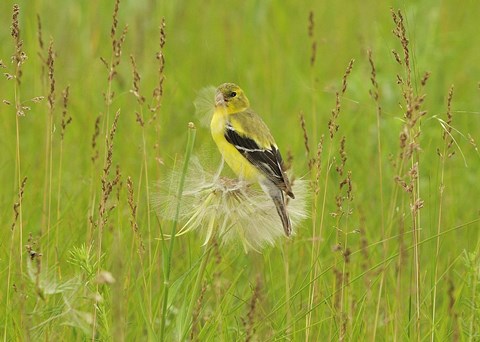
376	109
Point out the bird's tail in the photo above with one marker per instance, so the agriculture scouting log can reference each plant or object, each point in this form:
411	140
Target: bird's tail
278	199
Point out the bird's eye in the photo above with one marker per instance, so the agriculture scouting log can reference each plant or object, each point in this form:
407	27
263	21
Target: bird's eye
233	94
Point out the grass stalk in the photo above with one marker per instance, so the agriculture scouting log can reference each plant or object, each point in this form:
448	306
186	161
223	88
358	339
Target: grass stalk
66	120
316	239
18	59
196	290
168	253
375	94
149	230
416	255
140	118
104	207
437	247
444	155
288	295
49	142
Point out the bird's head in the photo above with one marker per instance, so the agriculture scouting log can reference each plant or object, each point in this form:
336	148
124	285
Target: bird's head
231	97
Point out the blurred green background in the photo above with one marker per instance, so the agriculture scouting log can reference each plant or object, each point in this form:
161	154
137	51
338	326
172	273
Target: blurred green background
265	47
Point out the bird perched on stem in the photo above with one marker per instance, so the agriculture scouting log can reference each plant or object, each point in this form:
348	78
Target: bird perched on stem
248	147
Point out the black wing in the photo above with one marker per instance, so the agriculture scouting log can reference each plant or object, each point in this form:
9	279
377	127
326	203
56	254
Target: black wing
268	161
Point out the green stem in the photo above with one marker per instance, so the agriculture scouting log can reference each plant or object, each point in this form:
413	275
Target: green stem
168	259
195	291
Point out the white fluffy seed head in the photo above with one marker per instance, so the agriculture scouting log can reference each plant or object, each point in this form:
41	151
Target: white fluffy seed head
231	209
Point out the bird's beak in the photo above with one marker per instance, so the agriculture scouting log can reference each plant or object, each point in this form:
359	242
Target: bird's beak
219	99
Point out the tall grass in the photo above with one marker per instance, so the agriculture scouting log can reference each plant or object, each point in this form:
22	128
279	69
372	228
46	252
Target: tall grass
97	116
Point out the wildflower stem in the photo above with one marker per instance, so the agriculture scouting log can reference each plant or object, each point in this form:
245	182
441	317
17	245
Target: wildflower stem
169	253
196	289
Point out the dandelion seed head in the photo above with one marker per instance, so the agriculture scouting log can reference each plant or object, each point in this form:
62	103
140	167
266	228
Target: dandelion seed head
205	105
231	209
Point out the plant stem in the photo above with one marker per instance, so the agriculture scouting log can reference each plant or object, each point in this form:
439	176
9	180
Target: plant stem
196	289
168	258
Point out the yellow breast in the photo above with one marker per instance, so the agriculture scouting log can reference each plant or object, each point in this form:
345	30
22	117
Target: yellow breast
235	160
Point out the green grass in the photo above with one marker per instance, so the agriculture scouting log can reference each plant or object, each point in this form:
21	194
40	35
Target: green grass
364	266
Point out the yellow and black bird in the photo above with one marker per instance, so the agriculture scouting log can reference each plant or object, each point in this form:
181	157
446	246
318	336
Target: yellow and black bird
248	147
